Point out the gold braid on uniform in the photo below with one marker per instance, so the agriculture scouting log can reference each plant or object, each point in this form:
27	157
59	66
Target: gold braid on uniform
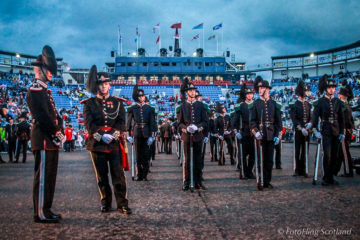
112	115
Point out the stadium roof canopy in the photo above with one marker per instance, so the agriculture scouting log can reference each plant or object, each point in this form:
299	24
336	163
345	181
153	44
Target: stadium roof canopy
338	49
15	54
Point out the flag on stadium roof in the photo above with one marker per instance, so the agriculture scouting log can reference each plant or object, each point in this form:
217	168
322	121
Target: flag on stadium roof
200	26
212	37
195	37
217	27
158	39
176	25
155	27
176	36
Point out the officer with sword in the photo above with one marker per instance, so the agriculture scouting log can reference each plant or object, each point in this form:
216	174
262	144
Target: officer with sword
193	120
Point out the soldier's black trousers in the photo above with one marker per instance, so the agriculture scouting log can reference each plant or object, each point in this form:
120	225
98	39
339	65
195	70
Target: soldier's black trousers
331	145
168	145
101	163
45	171
300	153
152	150
277	149
197	147
341	158
213	149
268	161
11	150
21	145
248	149
142	151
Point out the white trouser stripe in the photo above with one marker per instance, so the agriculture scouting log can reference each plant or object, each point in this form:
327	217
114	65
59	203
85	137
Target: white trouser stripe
41	185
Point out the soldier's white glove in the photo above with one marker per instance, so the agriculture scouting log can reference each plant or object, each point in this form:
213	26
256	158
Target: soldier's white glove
304	132
318	135
308	126
206	139
150	141
276	140
130	140
192	128
226	133
258	136
238	135
107	138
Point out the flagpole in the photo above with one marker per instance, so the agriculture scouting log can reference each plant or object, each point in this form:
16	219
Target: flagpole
160	38
120	45
217	47
203	40
118	49
199	41
180	38
222	39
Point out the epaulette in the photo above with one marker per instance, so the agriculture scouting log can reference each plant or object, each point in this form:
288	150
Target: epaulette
278	106
83	101
237	107
177	109
292	102
35	87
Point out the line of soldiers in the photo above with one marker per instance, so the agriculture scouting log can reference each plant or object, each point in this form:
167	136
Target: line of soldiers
255	126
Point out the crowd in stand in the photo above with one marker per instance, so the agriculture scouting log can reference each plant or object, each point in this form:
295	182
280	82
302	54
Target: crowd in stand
13	89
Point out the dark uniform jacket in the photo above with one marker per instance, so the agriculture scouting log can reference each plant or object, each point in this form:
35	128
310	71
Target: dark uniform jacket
266	118
46	120
144	120
192	113
10	132
348	118
331	113
300	113
103	116
212	127
23	131
242	110
166	130
223	124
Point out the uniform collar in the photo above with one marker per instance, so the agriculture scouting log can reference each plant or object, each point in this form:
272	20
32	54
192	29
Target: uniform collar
265	100
191	102
249	102
103	97
41	83
329	97
141	104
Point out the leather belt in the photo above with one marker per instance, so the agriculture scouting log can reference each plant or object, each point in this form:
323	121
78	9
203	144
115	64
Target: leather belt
267	123
141	125
106	129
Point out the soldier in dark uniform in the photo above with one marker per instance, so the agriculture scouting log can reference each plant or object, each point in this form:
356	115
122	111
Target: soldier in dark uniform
23	136
243	133
10	137
167	134
104	119
223	128
46	136
142	132
300	113
265	125
193	120
331	111
346	95
213	137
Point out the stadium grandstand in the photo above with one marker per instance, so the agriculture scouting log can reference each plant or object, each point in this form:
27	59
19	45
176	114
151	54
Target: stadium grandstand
217	79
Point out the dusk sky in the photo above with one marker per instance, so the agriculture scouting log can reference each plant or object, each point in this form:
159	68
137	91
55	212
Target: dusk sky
84	32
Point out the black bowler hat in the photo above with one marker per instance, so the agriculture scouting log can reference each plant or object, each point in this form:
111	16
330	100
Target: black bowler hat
95	79
264	83
47	59
186	85
137	93
198	94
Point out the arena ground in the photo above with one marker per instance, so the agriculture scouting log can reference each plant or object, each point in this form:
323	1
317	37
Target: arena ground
229	209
